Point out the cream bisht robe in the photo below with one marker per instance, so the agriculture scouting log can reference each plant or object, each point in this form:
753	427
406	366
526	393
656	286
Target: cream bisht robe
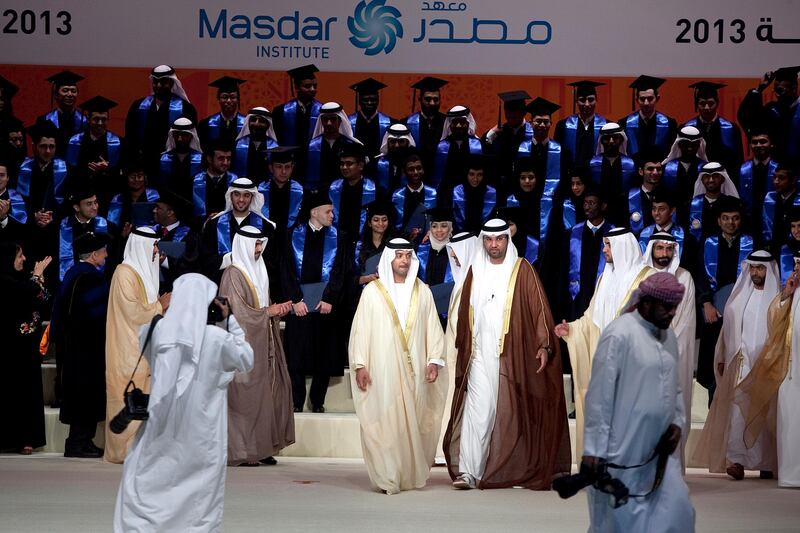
400	414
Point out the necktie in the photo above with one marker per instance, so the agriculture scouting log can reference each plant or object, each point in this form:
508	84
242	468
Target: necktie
164	232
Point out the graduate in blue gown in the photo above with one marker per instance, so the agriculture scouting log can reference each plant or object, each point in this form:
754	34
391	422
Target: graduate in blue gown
66	116
723	137
647	127
578	133
223	126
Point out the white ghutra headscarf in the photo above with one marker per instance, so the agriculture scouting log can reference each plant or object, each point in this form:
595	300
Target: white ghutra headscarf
139	255
400	293
617	277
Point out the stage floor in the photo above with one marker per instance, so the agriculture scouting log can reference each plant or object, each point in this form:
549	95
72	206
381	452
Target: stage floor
47	492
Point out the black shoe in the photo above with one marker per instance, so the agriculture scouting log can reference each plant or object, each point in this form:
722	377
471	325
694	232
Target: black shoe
56	404
318	409
766	474
88	452
571	415
271	461
298	409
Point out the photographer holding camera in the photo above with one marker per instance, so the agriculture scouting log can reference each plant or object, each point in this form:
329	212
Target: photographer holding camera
173	478
634	414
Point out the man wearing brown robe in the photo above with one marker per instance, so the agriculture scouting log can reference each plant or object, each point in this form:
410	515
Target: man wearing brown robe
260	416
508	425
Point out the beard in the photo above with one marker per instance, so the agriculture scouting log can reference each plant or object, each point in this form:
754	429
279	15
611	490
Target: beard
663	262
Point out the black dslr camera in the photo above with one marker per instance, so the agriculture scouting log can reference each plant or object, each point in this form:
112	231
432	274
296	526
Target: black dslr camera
135	409
599	478
214	311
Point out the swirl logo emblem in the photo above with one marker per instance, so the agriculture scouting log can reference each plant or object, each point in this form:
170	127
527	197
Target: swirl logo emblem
375	27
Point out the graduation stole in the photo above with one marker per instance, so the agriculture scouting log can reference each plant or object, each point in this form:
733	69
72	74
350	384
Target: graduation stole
312	178
725	130
423	254
531	252
412	123
79	121
66	257
180	233
399	198
402	332
793	141
367	196
571	132
696	216
512	284
199	190
384	121
59	175
224	237
442	152
711	254
215	125
115	206
575	250
636	209
628	170
670	177
632	130
18	211
295	200
168	159
568	215
676	231
328	250
175	112
786	262
460	204
746	180
290	120
768	213
242	153
112	149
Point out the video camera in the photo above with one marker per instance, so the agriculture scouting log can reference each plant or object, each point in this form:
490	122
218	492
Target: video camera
214	310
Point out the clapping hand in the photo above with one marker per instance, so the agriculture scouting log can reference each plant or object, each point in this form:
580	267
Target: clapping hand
40	266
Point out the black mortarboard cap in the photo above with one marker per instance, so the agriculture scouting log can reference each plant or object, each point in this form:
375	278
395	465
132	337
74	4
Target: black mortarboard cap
706	89
179	204
368	86
305	72
98	104
644	83
591	188
511	101
794	214
515	214
648	155
663	195
440	214
477	161
428	83
356	150
728	204
540	106
89	242
524	164
282	154
65	77
9	89
45	128
80	194
315	198
227	84
380	207
787	74
585	87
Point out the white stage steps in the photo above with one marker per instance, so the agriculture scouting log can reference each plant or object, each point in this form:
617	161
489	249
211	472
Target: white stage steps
334	433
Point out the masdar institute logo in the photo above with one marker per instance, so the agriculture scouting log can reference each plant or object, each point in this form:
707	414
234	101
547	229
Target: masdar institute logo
375	27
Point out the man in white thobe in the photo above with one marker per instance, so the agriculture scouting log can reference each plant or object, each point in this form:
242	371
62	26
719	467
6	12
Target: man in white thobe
770	395
744	334
174	476
663	254
396	349
634	400
623	272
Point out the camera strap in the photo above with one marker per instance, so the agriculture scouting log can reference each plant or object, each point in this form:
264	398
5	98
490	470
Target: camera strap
661	466
144	347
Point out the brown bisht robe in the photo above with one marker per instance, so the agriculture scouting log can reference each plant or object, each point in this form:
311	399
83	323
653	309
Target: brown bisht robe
260	413
530	440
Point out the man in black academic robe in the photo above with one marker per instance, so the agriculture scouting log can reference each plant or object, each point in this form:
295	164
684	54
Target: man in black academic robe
150	118
313	344
647	128
578	133
426	125
78	330
223	127
182	159
66	116
503	140
369	125
210	185
781	116
294	120
716	269
169	212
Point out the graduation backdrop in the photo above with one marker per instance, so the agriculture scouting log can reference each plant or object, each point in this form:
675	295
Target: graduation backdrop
482	47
